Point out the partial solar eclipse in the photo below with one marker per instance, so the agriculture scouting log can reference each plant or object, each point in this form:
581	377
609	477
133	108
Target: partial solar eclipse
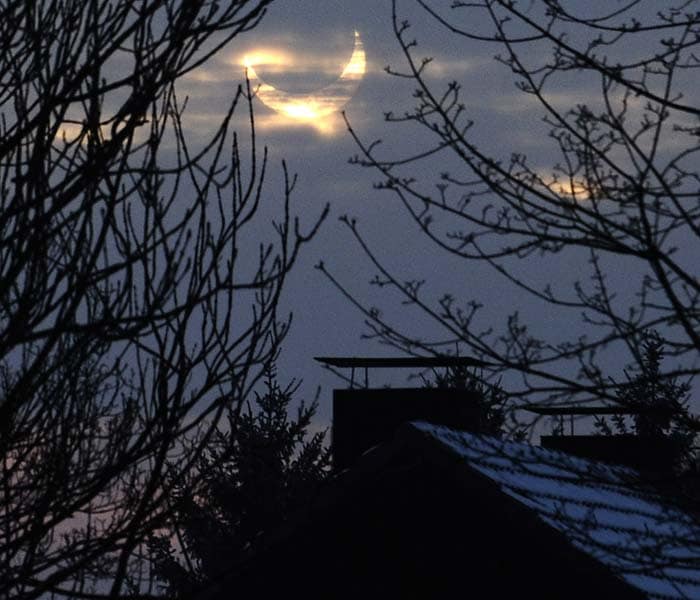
318	104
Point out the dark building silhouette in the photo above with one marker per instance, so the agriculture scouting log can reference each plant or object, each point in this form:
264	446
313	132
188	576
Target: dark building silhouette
364	417
436	511
651	454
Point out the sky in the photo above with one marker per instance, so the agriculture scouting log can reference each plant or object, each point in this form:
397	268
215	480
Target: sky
300	48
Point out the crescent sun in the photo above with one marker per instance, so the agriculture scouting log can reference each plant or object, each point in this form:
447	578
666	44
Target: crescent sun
320	103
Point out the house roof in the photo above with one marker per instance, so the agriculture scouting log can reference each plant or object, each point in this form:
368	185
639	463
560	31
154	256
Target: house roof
548	518
601	509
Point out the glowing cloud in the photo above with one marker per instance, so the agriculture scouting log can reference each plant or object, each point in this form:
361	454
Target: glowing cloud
565	187
269	58
315	108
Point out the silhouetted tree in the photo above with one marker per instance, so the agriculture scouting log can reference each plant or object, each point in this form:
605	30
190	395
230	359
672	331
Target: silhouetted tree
619	198
663	402
256	476
490	397
132	312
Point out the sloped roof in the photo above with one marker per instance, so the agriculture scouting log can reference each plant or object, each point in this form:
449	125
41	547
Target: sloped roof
601	509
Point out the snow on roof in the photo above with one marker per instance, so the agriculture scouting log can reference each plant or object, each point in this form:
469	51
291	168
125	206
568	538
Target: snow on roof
652	545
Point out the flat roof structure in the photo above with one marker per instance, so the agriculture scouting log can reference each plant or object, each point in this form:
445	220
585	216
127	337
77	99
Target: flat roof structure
577	409
395	362
413	362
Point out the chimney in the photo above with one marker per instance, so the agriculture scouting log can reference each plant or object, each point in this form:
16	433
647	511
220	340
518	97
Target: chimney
364	417
651	454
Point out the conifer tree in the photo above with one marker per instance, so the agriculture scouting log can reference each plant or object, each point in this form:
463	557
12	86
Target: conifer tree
258	474
662	402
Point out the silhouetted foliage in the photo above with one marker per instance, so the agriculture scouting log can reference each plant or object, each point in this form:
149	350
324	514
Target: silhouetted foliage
664	402
257	475
610	187
132	313
491	398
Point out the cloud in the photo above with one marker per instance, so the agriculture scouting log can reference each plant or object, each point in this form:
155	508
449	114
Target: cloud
327	126
272	59
454	68
318	109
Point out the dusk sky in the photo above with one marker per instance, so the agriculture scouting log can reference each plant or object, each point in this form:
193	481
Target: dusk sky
301	48
510	193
